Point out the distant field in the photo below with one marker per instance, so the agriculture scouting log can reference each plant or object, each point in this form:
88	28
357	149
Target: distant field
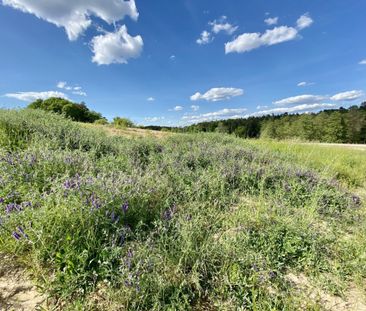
176	222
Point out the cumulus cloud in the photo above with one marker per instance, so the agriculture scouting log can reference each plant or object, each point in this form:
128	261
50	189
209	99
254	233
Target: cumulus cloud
116	47
218	94
222	25
363	62
250	41
271	21
32	96
216	115
75	16
205	38
348	96
301	99
304	21
195	107
150	99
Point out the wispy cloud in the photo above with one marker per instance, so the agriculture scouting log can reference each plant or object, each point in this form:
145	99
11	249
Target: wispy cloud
304	21
150	99
218	94
348	96
304	83
301	99
216	115
363	62
76	90
195	107
177	108
32	96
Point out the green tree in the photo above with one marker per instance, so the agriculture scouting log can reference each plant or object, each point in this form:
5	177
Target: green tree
119	122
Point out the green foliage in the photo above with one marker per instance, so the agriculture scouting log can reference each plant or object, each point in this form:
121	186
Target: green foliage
73	111
333	126
190	222
119	122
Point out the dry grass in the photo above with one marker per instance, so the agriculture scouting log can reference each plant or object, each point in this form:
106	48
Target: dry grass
129	132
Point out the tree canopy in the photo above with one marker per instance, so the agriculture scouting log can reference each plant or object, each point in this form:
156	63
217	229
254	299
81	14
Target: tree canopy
76	112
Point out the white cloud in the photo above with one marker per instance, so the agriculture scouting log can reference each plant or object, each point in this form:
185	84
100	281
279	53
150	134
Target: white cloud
250	41
348	96
304	21
363	62
172	57
304	83
76	90
222	25
75	16
195	107
261	107
32	96
61	84
218	94
116	47
216	115
177	108
301	99
205	38
150	99
271	21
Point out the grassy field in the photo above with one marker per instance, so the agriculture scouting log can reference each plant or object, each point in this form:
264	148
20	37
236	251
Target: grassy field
180	222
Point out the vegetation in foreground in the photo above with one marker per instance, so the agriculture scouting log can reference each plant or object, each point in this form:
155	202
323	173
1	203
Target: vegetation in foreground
188	222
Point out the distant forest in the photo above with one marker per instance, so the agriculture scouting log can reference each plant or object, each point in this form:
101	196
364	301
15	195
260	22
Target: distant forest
336	126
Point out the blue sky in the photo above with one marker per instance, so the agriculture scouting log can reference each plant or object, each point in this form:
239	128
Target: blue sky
184	61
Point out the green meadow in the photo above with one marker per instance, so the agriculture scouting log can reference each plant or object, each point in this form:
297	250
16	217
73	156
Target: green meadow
181	222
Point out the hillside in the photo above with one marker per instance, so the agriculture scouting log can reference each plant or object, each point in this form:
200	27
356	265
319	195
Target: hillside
180	222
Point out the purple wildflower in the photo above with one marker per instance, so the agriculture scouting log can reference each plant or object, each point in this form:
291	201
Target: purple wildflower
16	236
2	200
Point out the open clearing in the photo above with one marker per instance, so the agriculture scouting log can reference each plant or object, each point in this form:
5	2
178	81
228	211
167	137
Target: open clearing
181	222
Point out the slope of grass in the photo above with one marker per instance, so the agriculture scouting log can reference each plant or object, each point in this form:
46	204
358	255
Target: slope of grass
187	222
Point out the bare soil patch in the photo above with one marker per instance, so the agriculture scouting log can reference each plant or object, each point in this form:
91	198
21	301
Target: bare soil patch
17	292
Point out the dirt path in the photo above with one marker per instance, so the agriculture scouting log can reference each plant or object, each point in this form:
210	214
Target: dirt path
16	291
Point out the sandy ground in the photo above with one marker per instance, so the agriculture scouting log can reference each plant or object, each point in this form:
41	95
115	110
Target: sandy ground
16	290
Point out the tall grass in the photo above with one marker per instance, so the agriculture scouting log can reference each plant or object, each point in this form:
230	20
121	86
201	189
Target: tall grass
189	222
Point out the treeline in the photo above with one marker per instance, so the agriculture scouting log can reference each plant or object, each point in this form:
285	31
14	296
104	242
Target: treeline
336	126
